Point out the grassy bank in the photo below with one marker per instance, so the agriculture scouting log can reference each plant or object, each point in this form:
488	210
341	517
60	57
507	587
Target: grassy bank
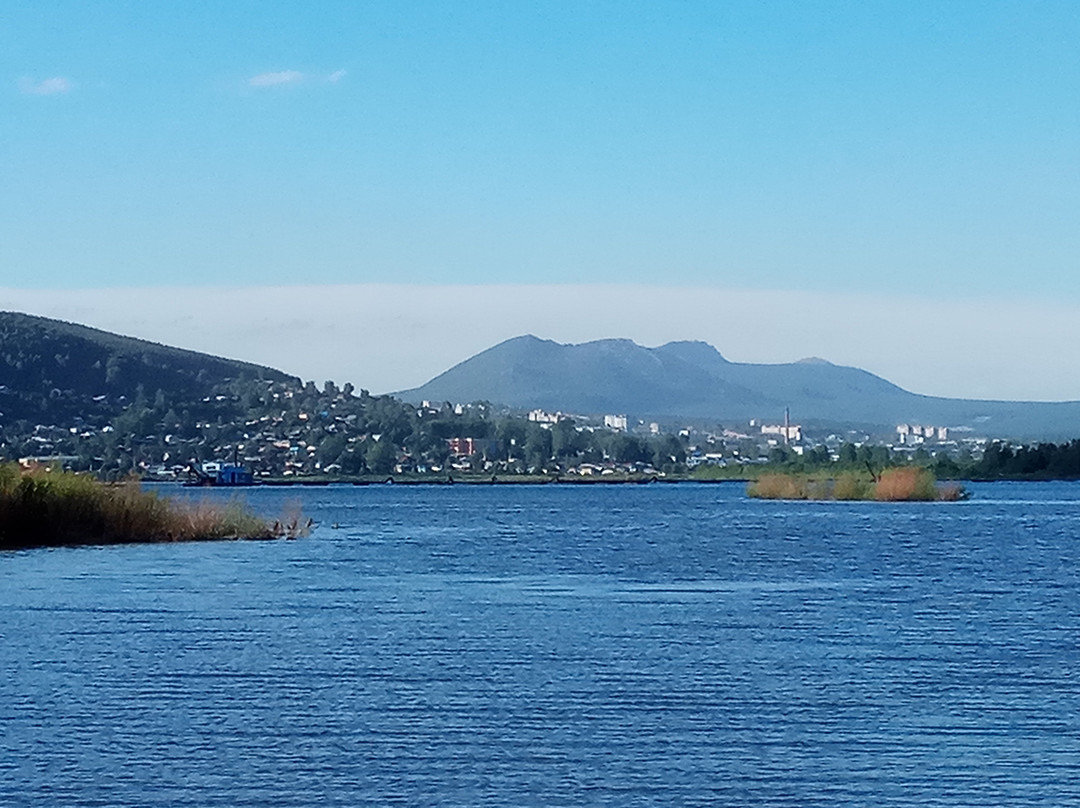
905	484
41	508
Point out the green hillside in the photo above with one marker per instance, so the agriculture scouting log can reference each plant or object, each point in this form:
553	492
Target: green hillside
91	400
53	371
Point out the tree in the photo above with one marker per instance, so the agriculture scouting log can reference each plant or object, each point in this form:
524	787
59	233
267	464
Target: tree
749	449
352	462
330	449
996	458
564	439
668	450
510	435
538	446
945	467
112	370
781	454
380	456
625	448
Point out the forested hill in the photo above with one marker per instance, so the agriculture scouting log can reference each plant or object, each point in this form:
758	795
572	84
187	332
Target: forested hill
53	371
116	405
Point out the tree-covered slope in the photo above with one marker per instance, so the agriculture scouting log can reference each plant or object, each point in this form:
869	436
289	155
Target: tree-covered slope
53	371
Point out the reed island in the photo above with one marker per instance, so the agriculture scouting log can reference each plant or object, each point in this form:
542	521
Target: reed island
901	484
51	508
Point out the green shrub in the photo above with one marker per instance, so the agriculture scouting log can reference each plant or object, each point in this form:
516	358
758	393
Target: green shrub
851	486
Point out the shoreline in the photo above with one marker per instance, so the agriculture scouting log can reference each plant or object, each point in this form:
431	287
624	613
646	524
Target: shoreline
510	479
536	479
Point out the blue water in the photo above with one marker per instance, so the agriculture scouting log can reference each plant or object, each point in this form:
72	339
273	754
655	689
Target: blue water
557	646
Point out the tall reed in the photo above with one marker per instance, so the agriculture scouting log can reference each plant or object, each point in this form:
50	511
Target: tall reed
51	508
902	484
908	484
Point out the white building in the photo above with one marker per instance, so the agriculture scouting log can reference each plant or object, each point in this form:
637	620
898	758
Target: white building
615	422
792	433
541	417
918	433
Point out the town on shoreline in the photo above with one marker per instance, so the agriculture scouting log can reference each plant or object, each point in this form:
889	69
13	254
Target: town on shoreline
284	432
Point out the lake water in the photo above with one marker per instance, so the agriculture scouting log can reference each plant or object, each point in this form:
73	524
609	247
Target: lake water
557	646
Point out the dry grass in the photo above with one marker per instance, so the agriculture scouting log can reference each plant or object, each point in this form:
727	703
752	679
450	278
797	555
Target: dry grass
904	484
790	486
778	486
42	508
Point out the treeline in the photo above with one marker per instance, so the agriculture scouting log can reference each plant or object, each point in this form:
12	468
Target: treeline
1000	461
281	427
1042	461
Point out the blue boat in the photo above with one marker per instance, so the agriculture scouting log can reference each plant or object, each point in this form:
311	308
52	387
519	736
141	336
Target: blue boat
220	474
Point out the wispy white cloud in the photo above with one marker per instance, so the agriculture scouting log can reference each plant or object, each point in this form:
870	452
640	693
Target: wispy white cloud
277	78
51	86
336	76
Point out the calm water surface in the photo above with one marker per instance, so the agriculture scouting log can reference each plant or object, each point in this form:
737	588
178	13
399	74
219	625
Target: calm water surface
557	646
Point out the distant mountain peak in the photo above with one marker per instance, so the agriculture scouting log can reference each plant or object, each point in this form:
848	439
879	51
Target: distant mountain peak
692	350
690	379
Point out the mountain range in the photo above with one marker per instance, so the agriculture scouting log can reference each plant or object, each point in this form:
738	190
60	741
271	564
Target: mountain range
58	372
692	380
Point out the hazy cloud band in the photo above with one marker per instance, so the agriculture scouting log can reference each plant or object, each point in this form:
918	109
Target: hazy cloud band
387	337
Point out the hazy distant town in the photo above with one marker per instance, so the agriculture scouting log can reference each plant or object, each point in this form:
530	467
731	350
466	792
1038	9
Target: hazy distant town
288	431
87	400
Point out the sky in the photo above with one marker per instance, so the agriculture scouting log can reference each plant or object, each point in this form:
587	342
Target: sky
373	191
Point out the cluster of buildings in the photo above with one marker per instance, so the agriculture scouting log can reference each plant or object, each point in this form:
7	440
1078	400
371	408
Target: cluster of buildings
301	432
914	434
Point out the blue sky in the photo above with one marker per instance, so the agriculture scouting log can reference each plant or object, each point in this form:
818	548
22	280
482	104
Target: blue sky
920	149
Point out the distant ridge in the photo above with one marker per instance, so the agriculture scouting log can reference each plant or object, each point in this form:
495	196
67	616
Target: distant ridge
54	372
693	380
